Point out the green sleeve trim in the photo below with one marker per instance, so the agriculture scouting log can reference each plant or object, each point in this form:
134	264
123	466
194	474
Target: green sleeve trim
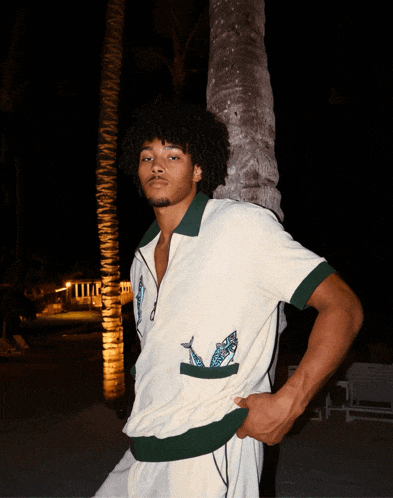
310	283
209	373
195	442
133	371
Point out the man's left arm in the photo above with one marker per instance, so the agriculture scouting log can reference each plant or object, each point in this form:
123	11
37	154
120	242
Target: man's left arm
338	321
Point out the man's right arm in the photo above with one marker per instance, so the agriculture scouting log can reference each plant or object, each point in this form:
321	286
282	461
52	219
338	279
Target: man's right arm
339	319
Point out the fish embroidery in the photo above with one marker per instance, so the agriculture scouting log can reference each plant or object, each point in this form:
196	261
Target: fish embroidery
225	351
139	299
194	358
222	356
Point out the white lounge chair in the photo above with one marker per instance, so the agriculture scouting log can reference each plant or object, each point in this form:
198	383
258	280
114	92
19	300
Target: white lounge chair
370	392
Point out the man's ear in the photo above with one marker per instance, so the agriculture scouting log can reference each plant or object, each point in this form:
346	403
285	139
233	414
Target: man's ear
197	173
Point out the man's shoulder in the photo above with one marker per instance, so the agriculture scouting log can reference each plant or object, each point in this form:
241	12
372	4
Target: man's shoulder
238	210
238	221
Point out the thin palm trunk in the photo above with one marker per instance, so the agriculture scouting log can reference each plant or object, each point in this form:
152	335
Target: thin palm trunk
106	202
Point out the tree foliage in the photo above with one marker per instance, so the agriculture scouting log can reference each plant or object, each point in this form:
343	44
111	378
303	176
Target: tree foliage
186	25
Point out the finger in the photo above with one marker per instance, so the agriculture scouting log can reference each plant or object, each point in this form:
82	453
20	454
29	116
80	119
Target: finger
272	441
241	433
275	440
240	402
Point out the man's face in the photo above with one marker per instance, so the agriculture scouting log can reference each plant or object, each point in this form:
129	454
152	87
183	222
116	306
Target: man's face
166	174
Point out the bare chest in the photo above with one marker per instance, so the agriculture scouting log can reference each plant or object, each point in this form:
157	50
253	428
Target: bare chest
161	254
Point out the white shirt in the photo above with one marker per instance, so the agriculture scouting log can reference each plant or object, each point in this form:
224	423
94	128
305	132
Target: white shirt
208	332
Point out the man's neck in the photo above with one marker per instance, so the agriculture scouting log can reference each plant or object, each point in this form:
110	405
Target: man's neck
168	218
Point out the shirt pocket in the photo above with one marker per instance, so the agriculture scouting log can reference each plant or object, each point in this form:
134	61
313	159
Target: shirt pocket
209	372
207	386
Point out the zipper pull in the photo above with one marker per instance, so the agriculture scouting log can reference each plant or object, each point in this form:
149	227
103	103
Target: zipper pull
153	313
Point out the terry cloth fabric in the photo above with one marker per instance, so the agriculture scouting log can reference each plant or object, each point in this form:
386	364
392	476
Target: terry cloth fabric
208	332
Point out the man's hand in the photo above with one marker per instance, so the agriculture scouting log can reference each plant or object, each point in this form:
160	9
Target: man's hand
270	416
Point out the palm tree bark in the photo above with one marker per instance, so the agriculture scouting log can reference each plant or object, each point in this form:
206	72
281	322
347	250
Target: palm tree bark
106	194
239	92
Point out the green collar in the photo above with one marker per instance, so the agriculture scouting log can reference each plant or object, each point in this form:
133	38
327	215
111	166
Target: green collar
189	225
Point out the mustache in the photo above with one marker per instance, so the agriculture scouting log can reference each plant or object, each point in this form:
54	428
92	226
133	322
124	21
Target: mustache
156	177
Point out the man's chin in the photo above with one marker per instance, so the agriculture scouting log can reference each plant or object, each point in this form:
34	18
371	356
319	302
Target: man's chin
159	202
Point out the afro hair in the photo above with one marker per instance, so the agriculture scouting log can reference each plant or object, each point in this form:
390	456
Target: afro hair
196	130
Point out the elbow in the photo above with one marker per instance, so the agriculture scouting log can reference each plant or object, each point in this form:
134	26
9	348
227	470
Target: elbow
334	299
354	310
349	310
358	315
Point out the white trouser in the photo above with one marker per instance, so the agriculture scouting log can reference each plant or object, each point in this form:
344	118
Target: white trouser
232	471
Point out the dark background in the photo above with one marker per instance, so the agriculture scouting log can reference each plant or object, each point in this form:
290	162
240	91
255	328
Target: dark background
331	70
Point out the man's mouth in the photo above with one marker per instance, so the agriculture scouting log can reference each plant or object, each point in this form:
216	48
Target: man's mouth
157	181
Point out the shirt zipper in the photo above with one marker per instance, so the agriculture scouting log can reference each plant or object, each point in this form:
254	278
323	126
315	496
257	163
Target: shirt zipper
155	281
153	311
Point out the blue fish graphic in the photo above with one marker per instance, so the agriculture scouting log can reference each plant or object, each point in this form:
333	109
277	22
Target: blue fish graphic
194	358
225	351
139	299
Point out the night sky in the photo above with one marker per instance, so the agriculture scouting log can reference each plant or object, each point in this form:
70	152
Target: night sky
331	73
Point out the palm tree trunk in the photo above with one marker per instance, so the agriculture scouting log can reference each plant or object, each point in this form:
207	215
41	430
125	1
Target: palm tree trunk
106	202
239	92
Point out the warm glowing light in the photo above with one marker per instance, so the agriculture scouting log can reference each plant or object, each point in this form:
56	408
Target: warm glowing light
68	284
59	290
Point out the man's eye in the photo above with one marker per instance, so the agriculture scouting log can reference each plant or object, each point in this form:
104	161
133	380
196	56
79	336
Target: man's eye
145	159
173	158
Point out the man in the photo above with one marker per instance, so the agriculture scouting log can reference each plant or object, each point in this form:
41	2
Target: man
208	277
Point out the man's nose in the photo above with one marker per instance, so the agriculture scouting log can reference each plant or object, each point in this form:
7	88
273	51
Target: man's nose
157	166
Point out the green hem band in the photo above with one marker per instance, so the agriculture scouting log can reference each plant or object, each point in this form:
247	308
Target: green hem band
310	283
209	373
193	443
